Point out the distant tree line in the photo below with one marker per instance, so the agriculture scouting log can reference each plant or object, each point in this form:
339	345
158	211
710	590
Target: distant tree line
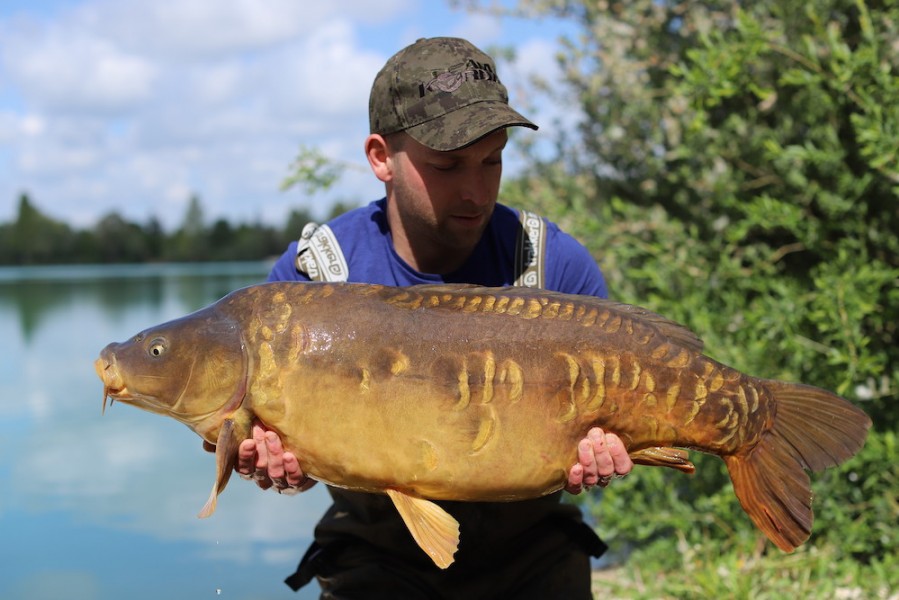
35	238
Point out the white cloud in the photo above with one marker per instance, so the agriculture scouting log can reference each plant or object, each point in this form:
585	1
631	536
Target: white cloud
216	84
76	71
337	75
203	29
56	159
33	125
194	29
479	28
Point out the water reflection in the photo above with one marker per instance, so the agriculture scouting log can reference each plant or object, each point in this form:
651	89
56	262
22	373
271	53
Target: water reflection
105	507
35	292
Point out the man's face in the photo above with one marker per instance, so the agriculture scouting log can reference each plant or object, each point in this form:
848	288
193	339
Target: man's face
444	200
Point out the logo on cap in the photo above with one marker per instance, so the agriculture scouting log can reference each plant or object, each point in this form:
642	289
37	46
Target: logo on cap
453	79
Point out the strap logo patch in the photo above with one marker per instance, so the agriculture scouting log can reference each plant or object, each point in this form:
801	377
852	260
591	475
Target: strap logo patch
530	251
319	255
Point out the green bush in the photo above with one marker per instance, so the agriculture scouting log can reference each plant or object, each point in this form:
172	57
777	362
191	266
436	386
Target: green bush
736	170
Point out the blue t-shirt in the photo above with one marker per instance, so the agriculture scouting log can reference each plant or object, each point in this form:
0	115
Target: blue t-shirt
367	245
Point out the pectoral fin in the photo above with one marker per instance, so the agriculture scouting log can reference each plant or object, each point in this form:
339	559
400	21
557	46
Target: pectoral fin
435	530
230	436
660	456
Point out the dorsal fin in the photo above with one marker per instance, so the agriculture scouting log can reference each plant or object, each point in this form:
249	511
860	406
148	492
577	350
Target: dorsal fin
413	297
672	329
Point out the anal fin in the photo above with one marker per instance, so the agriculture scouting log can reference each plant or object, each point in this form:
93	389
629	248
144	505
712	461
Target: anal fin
662	456
434	530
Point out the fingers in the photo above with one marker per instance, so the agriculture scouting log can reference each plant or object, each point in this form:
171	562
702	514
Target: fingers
575	483
258	470
246	457
264	460
275	454
293	472
601	457
621	460
586	459
605	466
249	454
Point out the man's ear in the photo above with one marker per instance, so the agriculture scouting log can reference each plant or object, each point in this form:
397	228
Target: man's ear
379	157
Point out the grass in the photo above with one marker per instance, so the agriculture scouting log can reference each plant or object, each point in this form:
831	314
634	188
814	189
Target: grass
809	573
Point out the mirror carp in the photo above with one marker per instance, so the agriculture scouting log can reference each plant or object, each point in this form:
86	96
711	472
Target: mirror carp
450	392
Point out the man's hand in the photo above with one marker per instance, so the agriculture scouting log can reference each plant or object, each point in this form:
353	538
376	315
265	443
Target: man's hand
601	457
263	459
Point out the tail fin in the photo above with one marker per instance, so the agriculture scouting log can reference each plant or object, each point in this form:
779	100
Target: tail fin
813	429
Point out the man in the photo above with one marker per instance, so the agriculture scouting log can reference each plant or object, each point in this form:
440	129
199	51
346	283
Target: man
439	117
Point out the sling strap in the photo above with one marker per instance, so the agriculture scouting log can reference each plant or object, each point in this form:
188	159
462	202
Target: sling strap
530	251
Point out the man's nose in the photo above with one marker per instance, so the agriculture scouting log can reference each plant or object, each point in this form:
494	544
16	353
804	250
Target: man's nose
476	188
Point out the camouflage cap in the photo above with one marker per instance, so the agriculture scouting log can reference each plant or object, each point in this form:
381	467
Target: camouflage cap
443	92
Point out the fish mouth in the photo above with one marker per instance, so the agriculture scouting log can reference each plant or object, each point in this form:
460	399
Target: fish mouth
113	386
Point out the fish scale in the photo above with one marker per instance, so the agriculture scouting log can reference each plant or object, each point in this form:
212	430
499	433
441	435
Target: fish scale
447	392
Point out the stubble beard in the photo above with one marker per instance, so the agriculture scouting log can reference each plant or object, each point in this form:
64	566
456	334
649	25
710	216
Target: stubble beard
431	238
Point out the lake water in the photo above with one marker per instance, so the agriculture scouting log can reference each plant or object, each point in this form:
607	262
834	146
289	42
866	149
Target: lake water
105	507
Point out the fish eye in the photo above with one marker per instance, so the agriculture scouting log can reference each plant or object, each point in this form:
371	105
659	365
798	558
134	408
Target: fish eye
157	347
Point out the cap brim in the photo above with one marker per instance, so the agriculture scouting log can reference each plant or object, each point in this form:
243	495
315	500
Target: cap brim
466	125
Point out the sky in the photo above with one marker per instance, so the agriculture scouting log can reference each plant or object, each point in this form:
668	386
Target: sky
134	106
